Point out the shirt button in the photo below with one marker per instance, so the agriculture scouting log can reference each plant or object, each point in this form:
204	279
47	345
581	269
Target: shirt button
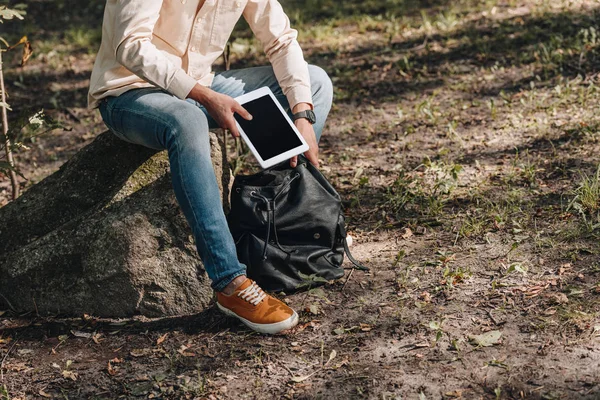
194	49
238	4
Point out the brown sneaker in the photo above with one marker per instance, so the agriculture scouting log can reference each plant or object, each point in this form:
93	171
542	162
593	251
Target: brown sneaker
256	309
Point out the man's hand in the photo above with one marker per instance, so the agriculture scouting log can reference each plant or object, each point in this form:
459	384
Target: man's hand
220	106
308	133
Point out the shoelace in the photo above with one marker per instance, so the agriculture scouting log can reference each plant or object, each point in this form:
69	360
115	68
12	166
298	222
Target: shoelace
252	294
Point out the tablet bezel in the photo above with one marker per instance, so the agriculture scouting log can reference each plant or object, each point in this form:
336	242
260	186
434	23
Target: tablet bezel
258	93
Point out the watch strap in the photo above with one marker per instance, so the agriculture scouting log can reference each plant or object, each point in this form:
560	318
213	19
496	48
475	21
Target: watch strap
308	114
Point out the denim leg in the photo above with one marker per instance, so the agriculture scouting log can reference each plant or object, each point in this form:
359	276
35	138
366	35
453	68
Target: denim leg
238	82
156	119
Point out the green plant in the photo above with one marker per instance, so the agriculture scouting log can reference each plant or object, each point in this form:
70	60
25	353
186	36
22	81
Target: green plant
586	200
425	190
4	393
28	124
7	166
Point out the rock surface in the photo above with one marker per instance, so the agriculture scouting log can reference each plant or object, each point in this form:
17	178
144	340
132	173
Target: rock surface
104	236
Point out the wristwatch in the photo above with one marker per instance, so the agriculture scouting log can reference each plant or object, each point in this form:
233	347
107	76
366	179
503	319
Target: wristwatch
308	114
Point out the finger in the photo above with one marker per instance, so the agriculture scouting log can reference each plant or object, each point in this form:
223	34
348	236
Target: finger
231	125
313	158
242	111
294	162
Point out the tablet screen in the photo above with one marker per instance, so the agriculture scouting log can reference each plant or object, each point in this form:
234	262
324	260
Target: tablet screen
269	131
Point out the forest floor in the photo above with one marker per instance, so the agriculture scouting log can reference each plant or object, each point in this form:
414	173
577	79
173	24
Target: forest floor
464	139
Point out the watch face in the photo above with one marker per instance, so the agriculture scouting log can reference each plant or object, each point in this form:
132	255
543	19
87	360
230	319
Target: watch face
308	114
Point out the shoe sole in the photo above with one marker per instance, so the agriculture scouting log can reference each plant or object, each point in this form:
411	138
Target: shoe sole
264	328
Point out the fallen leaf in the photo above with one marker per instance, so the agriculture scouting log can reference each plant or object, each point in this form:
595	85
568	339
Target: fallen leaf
5	340
161	339
558	298
299	379
183	351
331	356
69	375
426	297
97	338
407	233
486	339
455	394
44	394
110	369
142	378
80	334
139	352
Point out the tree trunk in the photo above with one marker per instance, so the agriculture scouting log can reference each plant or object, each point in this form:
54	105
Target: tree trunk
105	236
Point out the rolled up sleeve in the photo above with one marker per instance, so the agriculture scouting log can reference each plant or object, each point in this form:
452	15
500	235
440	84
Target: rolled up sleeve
134	25
272	27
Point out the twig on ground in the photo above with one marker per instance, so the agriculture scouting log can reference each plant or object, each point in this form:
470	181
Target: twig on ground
494	320
8	303
286	368
217	334
4	359
72	115
347	279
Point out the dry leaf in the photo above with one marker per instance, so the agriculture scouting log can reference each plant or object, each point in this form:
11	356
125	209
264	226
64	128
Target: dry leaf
183	352
161	339
558	298
96	338
69	375
486	339
139	352
80	334
27	53
299	379
44	394
331	356
425	296
110	369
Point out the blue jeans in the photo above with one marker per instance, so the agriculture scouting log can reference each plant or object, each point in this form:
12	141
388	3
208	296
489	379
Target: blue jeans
154	118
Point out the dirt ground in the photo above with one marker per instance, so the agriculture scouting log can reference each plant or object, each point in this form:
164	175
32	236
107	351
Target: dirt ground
464	139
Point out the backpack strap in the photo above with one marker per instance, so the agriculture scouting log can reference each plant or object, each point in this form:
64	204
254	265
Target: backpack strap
342	228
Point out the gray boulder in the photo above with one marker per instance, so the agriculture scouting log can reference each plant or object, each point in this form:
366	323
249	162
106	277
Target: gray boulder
104	236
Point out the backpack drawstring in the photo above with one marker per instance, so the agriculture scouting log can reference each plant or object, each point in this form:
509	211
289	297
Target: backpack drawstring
271	208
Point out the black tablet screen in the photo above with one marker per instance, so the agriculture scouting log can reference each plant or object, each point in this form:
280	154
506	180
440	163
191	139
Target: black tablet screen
268	131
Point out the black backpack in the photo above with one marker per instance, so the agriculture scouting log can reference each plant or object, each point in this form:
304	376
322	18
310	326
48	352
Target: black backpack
288	227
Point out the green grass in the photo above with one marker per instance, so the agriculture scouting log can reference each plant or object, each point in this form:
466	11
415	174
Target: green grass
586	200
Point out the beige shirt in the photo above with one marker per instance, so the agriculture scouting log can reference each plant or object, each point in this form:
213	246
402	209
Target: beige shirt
172	44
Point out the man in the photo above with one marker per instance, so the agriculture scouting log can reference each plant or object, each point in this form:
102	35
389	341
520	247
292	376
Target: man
153	84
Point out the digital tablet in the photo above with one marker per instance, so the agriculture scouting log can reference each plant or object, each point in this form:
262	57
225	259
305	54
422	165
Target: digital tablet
271	135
